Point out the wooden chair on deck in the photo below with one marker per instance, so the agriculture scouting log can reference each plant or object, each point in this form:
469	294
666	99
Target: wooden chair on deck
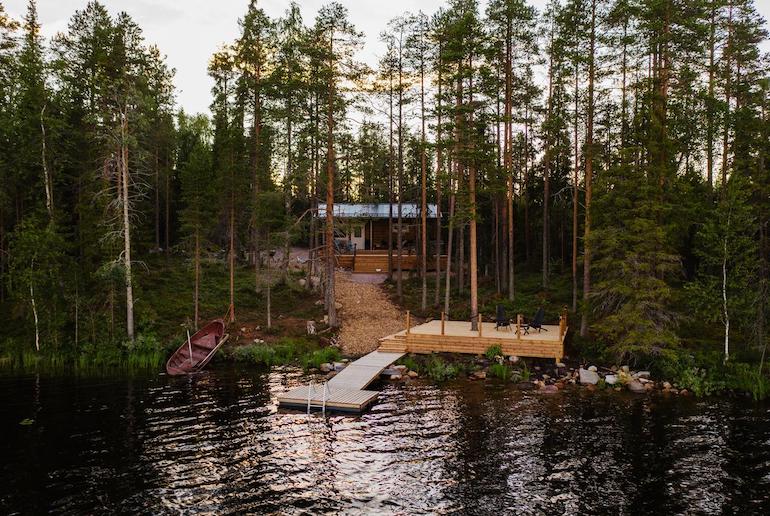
537	322
501	320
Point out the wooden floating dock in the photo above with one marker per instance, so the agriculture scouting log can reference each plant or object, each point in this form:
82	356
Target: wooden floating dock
457	337
346	390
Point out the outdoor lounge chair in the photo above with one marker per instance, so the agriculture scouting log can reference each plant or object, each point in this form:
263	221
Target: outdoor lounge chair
536	323
501	321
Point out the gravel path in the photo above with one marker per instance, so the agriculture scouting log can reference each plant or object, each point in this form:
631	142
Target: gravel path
367	314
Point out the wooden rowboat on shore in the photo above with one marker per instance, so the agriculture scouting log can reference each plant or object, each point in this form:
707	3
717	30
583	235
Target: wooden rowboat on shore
201	347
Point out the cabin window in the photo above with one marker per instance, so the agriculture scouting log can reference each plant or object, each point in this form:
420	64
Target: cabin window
358	231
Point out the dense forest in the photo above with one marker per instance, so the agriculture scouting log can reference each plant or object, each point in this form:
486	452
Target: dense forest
622	145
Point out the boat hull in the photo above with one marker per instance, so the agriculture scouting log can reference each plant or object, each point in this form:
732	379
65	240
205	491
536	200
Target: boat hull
203	345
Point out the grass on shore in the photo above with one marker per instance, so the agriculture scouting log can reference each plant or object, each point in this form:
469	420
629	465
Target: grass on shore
286	351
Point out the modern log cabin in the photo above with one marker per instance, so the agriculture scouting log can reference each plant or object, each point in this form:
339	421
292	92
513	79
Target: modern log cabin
361	236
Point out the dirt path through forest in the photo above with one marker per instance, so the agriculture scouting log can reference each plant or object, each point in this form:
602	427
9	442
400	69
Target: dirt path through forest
367	314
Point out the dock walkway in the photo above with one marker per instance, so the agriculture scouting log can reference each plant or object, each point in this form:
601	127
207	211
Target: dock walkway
346	391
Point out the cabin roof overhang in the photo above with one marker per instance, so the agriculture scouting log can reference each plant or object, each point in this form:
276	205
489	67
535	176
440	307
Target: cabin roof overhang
376	211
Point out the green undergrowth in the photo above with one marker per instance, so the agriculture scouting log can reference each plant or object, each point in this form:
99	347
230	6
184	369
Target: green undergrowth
286	351
144	354
411	363
440	370
706	374
500	371
163	308
493	352
165	300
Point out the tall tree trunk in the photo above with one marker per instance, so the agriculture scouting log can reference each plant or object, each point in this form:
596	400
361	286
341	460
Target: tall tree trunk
256	158
461	257
763	241
623	92
496	237
496	197
314	188
287	195
231	229
400	237
575	187
168	213
472	245
197	266
589	159
390	179
725	312
527	239
710	100
331	308
2	254
46	173
728	87
473	251
547	165
439	178
508	158
157	200
126	226
450	239
231	251
34	312
268	307
423	196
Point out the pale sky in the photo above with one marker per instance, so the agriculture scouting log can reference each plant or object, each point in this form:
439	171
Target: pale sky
188	32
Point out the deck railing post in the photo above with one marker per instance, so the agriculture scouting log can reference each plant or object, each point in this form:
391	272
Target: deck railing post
480	324
518	326
408	321
443	315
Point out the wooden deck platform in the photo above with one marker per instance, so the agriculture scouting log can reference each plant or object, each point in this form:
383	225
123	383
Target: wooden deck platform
377	261
457	337
346	391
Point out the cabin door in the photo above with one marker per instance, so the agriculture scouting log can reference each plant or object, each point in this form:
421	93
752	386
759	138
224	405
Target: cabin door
357	236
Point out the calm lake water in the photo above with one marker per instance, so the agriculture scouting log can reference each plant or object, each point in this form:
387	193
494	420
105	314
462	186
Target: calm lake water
216	443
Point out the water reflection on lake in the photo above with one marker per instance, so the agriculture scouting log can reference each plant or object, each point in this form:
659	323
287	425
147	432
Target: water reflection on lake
217	443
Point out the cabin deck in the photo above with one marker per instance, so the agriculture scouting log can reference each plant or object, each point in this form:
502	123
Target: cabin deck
457	337
372	261
346	390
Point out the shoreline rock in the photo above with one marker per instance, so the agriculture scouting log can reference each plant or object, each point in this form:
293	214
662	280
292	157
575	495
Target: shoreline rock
588	377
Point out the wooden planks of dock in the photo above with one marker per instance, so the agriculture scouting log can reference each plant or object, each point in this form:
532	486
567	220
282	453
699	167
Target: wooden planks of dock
346	390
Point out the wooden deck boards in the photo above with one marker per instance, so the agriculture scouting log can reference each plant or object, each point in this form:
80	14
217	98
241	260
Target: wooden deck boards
459	338
370	261
345	391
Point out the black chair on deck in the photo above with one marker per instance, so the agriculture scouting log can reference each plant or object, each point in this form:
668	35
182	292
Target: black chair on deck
501	321
537	322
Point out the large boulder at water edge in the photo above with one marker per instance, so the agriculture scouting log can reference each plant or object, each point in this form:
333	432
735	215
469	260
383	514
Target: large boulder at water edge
636	386
588	377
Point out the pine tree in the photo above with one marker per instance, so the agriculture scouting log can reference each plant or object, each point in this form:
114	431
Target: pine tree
337	41
197	180
418	46
224	153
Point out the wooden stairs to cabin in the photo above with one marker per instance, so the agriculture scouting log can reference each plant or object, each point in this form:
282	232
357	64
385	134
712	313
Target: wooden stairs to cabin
393	344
